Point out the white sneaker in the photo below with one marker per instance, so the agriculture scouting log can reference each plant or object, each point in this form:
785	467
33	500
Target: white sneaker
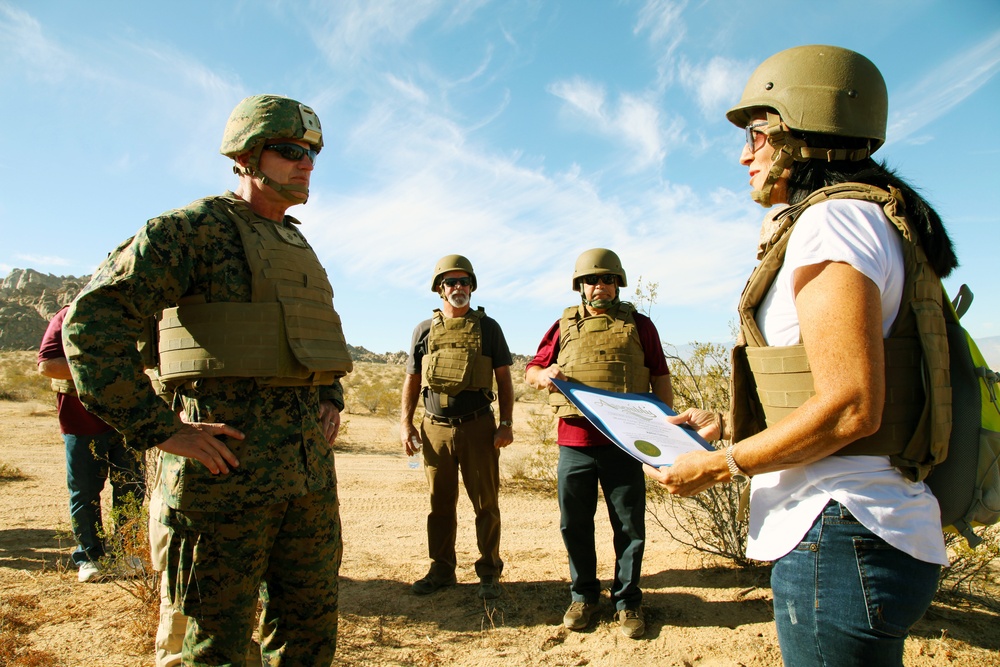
89	571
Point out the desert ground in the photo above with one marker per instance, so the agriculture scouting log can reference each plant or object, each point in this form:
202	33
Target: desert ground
700	610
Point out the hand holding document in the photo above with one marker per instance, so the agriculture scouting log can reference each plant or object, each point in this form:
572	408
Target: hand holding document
635	422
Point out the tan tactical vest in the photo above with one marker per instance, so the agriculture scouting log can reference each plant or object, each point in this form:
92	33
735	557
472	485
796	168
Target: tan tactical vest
454	360
768	383
602	351
288	335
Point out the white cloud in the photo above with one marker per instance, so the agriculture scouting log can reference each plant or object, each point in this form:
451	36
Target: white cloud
662	19
43	260
635	121
715	84
943	88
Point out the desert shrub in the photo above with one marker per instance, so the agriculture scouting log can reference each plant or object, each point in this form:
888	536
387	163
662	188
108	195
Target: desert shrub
973	574
705	522
374	389
9	473
537	470
20	380
524	392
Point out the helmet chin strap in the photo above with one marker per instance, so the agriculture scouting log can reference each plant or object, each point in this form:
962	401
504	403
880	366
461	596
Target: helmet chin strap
599	304
286	190
789	149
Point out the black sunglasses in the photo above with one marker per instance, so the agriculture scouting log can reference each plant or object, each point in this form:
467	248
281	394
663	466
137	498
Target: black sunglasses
452	282
606	278
292	152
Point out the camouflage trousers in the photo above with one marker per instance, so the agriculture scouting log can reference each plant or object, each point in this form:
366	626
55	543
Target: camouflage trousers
289	553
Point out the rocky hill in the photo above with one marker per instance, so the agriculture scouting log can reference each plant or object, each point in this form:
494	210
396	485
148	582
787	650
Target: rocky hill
28	300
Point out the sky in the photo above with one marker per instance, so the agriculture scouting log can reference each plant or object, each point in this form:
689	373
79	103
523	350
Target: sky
518	133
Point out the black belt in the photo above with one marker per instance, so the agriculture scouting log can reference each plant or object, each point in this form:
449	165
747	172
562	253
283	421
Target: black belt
455	421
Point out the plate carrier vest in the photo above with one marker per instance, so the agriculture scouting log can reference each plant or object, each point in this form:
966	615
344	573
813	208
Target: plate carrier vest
769	382
288	335
602	351
454	361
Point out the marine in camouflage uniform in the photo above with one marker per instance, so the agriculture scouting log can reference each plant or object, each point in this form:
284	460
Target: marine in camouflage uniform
249	484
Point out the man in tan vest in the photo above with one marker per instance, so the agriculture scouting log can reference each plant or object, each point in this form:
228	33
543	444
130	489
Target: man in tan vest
454	358
601	343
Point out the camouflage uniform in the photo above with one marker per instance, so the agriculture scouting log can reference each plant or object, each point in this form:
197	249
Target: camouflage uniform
274	520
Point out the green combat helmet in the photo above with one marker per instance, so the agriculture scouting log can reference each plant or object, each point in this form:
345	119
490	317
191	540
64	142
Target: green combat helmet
452	263
598	261
816	89
260	118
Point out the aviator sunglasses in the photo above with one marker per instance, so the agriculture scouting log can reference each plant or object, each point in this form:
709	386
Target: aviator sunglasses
292	152
606	278
452	282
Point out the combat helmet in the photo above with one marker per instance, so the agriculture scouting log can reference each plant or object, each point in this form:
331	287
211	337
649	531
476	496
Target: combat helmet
452	263
260	118
815	89
595	262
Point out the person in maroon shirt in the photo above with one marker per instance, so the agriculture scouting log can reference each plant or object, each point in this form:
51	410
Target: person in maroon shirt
94	452
602	337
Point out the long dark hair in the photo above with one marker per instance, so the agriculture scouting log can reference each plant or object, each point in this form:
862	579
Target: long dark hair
811	175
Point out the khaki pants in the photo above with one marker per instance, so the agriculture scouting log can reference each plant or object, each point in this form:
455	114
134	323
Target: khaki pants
468	448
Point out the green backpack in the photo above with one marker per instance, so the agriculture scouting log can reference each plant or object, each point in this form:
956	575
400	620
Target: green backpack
967	482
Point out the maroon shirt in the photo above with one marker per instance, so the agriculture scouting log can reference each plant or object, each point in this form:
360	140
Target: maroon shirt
73	417
578	431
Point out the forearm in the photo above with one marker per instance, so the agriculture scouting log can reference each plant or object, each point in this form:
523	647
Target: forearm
57	368
505	393
408	404
817	429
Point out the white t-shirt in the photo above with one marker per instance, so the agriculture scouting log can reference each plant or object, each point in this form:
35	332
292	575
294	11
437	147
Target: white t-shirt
784	504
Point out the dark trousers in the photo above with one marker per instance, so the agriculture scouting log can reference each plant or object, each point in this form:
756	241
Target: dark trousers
467	447
620	476
90	461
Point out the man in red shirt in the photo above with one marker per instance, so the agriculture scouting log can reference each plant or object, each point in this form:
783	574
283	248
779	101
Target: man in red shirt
94	451
602	343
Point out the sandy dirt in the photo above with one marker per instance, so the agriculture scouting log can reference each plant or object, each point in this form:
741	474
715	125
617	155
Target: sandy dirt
699	611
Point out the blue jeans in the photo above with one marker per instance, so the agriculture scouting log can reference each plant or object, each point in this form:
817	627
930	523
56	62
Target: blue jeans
620	477
90	460
844	597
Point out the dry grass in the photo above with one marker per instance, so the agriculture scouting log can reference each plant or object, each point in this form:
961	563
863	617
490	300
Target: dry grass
19	617
19	378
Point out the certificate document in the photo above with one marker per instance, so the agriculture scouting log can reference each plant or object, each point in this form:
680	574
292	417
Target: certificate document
635	422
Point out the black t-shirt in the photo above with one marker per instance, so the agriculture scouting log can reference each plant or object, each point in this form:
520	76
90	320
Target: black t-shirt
470	400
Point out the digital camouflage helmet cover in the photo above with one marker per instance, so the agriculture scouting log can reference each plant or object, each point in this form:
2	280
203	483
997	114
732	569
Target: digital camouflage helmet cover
262	118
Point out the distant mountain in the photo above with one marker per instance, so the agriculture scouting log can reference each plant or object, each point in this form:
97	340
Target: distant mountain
29	299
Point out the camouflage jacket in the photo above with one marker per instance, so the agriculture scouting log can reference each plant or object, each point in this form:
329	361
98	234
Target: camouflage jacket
188	251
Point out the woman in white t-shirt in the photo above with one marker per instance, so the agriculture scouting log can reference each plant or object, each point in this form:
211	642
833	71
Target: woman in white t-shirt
857	545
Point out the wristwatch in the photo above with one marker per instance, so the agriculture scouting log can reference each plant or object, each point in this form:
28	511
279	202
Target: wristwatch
737	475
506	422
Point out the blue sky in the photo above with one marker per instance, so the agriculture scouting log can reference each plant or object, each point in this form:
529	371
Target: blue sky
517	133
